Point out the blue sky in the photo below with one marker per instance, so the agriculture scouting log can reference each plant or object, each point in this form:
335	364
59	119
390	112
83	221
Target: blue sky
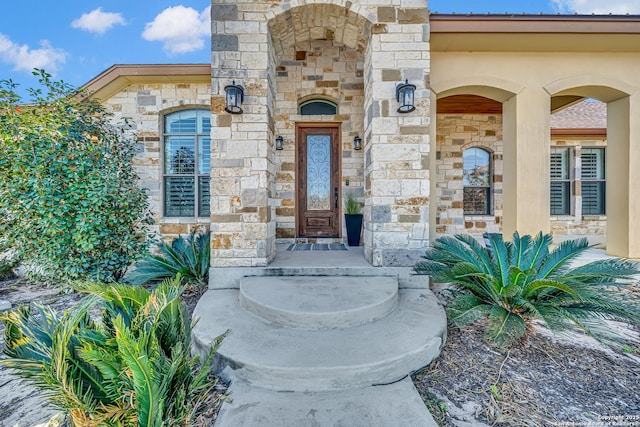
75	40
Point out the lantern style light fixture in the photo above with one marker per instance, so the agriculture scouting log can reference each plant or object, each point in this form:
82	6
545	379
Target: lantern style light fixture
404	95
279	143
357	143
235	97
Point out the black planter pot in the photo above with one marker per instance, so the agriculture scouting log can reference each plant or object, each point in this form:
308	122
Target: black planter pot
354	226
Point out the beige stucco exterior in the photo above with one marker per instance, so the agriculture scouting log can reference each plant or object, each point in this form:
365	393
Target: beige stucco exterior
526	83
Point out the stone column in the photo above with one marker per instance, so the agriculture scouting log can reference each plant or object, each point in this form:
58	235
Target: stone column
527	142
623	176
242	168
397	146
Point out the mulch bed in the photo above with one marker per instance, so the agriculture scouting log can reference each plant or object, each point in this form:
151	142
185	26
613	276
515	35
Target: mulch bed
542	381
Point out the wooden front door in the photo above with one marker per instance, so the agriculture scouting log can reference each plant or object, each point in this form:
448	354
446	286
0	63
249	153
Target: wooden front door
318	180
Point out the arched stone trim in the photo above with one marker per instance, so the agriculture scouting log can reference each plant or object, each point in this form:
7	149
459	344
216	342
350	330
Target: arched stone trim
490	87
178	105
327	94
317	20
486	146
600	87
283	7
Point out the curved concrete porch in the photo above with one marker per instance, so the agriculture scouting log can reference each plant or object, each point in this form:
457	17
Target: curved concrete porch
321	338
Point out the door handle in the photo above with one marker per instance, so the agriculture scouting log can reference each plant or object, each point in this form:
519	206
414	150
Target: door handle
335	196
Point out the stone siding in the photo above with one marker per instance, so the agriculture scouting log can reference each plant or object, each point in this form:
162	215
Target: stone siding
456	133
351	52
397	145
317	70
144	105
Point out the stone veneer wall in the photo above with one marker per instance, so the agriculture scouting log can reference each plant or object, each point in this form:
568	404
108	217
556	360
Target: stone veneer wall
326	70
593	227
242	152
145	105
394	36
455	133
397	145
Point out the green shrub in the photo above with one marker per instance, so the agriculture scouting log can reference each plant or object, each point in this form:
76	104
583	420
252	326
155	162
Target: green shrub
188	257
351	205
132	369
519	282
68	185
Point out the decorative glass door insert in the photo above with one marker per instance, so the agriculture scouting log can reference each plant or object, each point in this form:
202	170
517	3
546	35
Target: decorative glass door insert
318	180
319	172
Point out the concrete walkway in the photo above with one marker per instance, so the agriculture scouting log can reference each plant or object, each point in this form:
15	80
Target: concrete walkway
322	350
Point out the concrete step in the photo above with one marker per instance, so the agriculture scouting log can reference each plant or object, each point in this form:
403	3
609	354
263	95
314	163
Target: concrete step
270	356
397	405
319	302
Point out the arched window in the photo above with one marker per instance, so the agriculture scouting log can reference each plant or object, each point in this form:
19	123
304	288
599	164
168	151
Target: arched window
477	181
187	163
316	107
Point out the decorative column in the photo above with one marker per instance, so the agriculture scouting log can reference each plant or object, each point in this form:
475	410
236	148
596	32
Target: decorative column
242	152
527	142
397	145
623	175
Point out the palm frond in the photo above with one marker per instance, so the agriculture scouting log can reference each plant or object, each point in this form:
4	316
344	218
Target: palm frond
467	309
504	327
557	262
188	256
135	369
536	252
520	281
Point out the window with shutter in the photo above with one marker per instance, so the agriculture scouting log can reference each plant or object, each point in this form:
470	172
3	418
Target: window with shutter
560	182
187	163
593	181
476	181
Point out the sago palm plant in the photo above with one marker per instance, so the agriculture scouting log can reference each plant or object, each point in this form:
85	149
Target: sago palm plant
132	369
518	282
189	256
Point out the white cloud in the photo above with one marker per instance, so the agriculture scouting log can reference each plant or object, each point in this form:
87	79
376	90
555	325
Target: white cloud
181	29
616	7
98	21
23	58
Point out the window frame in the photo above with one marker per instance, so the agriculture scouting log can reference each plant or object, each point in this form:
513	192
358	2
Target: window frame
566	182
488	189
318	101
601	181
195	175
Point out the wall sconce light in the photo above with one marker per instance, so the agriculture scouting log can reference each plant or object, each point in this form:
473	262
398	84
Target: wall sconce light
235	97
357	143
404	95
279	143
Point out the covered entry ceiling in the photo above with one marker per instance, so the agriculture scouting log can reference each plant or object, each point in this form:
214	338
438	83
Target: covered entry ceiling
474	104
319	22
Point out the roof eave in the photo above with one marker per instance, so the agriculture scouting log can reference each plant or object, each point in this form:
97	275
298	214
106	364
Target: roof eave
119	76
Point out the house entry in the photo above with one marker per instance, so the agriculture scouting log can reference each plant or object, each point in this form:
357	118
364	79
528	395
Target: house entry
318	180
